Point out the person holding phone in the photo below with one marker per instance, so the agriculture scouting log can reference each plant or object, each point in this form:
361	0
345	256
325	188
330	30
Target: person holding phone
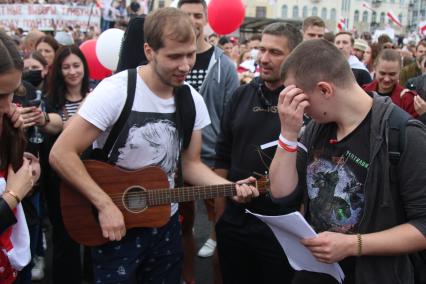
16	172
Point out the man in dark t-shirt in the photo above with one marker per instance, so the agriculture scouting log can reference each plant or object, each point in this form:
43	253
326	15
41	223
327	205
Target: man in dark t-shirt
365	220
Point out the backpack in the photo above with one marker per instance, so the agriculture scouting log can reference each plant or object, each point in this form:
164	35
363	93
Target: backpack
398	120
132	56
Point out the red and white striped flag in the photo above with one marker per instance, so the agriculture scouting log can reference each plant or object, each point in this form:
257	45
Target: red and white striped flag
367	6
422	28
341	25
393	18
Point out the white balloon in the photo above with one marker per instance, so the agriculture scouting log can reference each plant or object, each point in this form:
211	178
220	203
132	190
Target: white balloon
108	48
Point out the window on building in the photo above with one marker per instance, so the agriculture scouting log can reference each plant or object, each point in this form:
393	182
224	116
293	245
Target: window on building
332	14
284	11
161	4
382	18
305	12
356	16
260	12
365	17
324	13
295	12
315	11
374	17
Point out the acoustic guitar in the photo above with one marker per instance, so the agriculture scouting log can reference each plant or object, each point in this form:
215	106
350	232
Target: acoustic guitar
143	196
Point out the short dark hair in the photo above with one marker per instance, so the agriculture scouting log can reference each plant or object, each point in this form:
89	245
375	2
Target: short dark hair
169	23
255	37
293	35
212	35
329	36
388	55
224	40
202	2
306	64
313	21
345	33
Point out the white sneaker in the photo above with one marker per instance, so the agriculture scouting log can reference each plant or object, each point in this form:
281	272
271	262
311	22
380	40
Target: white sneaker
207	249
37	273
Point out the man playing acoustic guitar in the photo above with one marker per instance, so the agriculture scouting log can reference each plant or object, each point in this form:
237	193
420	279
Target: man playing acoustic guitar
150	137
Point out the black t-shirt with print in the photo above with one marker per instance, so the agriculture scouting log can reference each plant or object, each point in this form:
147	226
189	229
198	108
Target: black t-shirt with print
336	173
199	71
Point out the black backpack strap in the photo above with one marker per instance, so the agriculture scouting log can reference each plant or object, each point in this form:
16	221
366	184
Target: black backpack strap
118	126
396	139
185	120
185	114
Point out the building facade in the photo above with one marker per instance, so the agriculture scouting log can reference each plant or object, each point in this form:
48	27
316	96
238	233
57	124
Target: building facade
359	15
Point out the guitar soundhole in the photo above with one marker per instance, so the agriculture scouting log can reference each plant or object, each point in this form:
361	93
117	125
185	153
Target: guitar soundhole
135	199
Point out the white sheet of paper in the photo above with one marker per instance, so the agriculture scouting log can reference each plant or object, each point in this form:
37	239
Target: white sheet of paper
289	230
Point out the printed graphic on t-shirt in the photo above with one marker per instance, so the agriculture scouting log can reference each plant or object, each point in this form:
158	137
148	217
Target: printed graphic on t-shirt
148	139
196	78
335	193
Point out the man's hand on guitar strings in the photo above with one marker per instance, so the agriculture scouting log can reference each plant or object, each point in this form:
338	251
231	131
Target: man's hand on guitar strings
112	222
245	191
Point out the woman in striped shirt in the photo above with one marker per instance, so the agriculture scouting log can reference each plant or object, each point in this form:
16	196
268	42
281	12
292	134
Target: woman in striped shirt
69	81
68	86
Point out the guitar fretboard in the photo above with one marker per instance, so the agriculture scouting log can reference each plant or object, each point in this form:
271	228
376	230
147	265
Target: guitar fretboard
190	193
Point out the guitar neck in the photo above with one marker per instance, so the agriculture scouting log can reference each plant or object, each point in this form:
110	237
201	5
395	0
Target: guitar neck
189	193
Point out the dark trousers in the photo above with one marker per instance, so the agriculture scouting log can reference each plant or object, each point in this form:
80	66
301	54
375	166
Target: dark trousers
66	252
250	253
144	255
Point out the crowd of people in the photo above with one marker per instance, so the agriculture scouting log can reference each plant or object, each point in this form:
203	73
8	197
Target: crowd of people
310	108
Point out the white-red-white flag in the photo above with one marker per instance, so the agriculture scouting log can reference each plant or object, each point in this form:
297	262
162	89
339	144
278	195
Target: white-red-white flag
422	28
393	18
367	6
341	25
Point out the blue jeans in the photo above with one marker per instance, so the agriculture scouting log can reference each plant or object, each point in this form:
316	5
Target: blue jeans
144	255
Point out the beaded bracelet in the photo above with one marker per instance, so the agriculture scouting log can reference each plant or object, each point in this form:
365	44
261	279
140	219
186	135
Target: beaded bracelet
359	244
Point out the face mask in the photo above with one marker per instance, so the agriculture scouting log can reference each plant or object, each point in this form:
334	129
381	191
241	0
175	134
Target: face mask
33	77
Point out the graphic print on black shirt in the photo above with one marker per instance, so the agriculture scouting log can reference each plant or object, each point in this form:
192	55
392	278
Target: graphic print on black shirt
148	139
199	71
335	179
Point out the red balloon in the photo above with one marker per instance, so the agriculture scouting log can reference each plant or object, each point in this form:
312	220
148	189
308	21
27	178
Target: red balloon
225	16
96	70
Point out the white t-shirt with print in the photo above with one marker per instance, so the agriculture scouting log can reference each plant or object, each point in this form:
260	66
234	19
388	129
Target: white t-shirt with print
150	137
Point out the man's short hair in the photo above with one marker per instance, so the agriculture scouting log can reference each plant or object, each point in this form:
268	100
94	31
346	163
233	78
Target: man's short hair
317	60
313	21
224	40
293	35
202	2
329	36
255	37
168	23
345	33
388	55
212	35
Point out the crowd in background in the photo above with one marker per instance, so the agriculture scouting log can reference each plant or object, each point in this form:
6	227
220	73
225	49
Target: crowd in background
54	65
